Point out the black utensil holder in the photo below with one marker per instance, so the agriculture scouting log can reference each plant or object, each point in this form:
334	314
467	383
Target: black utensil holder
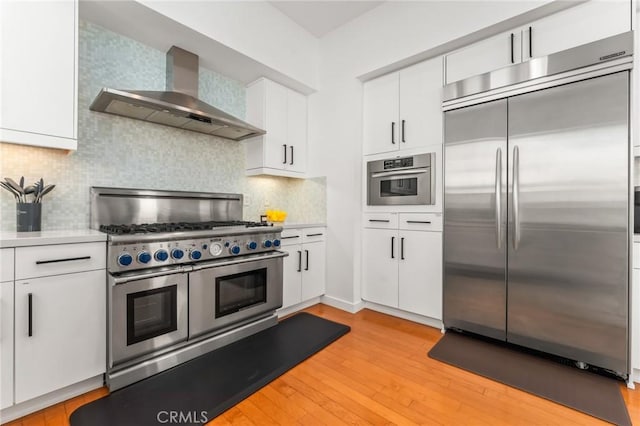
28	217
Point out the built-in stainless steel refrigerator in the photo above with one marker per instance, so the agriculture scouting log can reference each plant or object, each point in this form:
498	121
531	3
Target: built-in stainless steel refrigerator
536	239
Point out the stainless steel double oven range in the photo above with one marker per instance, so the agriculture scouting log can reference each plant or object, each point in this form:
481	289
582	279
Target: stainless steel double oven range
186	276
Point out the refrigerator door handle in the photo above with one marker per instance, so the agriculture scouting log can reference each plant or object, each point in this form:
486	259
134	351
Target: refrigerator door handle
516	197
498	197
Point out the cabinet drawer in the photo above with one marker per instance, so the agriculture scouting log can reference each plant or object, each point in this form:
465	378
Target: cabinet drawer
6	265
291	237
421	221
381	220
636	255
310	235
40	261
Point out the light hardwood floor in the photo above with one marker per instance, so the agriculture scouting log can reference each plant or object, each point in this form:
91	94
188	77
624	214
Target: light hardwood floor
379	373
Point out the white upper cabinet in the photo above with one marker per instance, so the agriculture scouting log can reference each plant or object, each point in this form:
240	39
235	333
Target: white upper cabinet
402	110
487	55
282	112
581	24
381	109
587	22
38	92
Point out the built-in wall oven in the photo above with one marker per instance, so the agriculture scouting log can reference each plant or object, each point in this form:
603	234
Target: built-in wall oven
401	181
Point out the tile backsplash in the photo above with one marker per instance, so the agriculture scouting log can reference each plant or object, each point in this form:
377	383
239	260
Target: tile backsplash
121	152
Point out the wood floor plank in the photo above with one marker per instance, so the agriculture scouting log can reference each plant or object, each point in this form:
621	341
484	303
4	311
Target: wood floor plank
377	374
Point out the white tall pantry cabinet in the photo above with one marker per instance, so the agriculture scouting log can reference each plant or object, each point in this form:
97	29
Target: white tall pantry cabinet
38	73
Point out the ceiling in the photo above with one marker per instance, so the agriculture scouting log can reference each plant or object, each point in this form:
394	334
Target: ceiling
321	17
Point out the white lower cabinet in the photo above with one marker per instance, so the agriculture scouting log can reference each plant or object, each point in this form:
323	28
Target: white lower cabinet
6	344
402	268
60	329
6	326
304	268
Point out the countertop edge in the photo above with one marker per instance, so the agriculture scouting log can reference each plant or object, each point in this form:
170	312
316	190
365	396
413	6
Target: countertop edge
26	239
304	225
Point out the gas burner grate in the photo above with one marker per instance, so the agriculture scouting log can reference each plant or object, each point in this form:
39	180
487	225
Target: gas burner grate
147	228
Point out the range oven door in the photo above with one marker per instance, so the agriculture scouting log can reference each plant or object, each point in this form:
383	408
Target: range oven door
234	291
147	315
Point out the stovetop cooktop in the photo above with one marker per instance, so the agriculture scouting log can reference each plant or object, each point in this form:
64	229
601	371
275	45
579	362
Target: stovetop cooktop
148	228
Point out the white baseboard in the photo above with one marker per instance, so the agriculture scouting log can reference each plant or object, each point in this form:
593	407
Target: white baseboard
351	307
47	400
297	307
431	322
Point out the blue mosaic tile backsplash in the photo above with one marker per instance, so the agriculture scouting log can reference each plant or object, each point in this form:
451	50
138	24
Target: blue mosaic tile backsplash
120	152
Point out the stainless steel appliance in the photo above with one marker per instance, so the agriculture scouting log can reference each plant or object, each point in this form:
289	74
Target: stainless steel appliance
536	206
186	276
401	181
178	106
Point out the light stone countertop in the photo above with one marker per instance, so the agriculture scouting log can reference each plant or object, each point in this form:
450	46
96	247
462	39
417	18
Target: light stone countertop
24	239
287	225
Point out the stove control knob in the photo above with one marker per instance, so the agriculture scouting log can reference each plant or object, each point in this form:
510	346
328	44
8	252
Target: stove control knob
267	243
125	259
144	257
177	253
252	245
161	255
195	254
276	243
215	249
235	250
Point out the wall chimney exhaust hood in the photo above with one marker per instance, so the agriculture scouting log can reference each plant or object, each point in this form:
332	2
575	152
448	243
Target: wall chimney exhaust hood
178	106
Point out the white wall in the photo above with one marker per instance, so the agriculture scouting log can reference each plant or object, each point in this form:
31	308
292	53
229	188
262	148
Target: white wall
389	33
255	29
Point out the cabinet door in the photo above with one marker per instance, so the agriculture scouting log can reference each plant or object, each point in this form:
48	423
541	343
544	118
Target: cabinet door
6	344
276	126
38	85
577	25
313	273
484	56
381	110
420	104
296	131
420	273
292	275
380	266
68	332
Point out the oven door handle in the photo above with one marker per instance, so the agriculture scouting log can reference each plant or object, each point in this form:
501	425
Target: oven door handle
238	260
134	276
415	171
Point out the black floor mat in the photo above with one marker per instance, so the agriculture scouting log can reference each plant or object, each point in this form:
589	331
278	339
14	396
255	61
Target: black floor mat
584	391
201	389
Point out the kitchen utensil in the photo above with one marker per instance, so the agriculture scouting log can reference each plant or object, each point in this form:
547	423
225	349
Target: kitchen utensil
22	182
45	191
11	190
16	187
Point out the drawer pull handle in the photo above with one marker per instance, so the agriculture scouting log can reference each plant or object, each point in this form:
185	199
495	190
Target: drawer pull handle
288	238
314	235
69	259
419	221
379	220
30	314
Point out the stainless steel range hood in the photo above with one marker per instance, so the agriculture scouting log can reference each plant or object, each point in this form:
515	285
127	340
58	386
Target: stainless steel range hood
178	106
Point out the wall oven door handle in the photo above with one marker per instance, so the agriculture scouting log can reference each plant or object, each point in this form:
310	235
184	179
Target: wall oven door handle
415	171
